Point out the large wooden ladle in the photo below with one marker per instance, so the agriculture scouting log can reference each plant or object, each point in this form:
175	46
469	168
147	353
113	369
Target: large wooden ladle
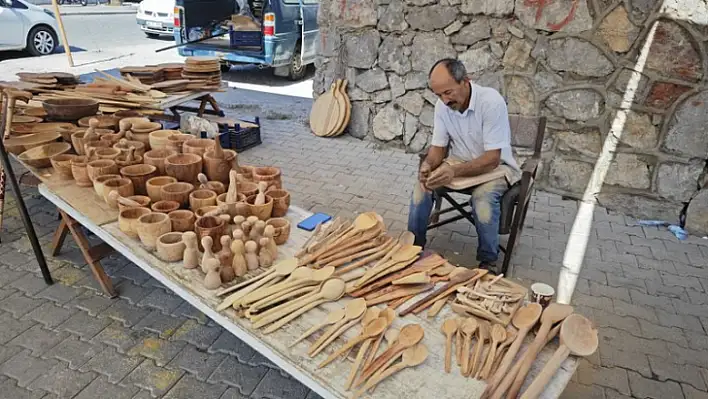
449	328
524	319
332	317
300	276
404	254
412	357
553	314
498	336
409	336
277	299
483	333
282	269
363	222
352	312
371	330
577	336
468	329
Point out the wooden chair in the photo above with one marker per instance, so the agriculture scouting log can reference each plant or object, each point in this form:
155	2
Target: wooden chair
525	132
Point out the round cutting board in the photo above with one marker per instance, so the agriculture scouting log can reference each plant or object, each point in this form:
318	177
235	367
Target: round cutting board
345	107
325	116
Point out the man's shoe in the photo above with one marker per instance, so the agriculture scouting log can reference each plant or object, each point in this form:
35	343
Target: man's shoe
488	266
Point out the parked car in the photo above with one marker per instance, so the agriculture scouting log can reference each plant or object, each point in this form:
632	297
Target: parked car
156	17
28	27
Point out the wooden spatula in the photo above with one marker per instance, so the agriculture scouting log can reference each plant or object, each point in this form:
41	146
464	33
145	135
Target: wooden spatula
449	327
412	357
410	335
498	336
332	317
468	329
577	336
280	270
373	329
354	310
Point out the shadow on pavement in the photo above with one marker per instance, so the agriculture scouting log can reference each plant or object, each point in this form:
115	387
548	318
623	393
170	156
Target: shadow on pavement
251	74
12	55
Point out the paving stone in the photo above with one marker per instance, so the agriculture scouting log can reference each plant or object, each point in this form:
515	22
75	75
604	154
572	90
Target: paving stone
19	305
50	315
689	308
606	319
275	385
697	341
160	299
686	322
159	323
29	284
124	312
143	394
673	334
313	395
641	312
12	327
83	325
229	344
60	293
574	391
239	375
159	350
102	388
7	352
188	387
667	370
619	339
681	281
91	302
10	390
134	273
690	392
112	364
233	393
132	292
63	382
681	355
197	362
196	334
73	351
611	377
38	339
25	368
259	360
8	275
656	288
614	280
155	379
7	292
697	298
608	291
119	337
646	388
188	311
595	302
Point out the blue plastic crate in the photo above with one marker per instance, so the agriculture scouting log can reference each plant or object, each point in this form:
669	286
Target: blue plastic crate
239	38
238	138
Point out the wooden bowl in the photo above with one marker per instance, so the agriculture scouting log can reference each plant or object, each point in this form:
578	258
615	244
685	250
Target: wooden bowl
151	226
197	146
112	138
107	152
182	220
238	208
158	138
215	186
99	180
210	226
139	174
157	157
34	111
123	185
154	186
143	200
62	166
282	229
217	169
122	160
128	220
127	113
140	137
145	128
104	122
281	202
176	141
184	167
248	189
201	198
77	140
125	145
201	211
170	247
268	174
38	157
78	171
94	145
70	109
20	144
178	192
25	119
101	167
165	206
262	212
22	129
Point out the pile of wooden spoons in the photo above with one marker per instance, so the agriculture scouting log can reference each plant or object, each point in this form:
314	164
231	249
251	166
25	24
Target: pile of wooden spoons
493	298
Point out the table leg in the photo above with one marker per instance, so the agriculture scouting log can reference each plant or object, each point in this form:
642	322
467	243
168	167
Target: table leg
214	105
59	236
93	255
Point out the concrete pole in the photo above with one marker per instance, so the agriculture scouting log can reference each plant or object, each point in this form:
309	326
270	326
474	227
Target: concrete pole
63	33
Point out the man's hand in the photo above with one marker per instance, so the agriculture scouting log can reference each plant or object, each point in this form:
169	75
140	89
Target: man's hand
424	172
441	176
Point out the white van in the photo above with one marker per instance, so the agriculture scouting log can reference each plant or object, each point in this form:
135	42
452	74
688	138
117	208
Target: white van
28	27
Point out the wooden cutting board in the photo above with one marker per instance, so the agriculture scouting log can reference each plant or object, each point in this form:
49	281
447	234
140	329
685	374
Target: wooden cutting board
325	114
345	107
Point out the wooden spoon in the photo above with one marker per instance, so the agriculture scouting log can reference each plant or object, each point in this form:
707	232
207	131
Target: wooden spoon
373	329
282	269
510	338
524	319
417	278
449	328
277	299
352	312
458	340
300	276
332	317
406	253
554	313
469	327
498	336
410	335
390	315
412	357
407	238
333	288
114	196
577	336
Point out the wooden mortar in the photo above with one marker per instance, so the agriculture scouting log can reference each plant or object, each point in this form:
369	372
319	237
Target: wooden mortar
78	171
99	180
197	146
154	186
182	220
247	188
268	174
107	152
124	145
238	208
262	212
170	247
143	200
178	192
139	174
176	141
156	157
201	198
122	185
101	167
158	138
62	166
128	220
184	167
203	210
165	206
77	140
281	202
218	169
151	226
282	229
210	226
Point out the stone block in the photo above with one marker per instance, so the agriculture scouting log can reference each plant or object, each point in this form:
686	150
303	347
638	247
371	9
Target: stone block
566	17
617	31
576	104
430	18
697	214
578	56
25	368
569	175
357	14
639	132
429	47
187	387
362	48
155	379
478	29
63	382
640	206
686	134
392	17
276	385
631	171
360	119
662	95
520	96
239	375
674	53
196	334
388	123
647	388
102	388
391	57
479	59
679	181
197	362
488	7
372	80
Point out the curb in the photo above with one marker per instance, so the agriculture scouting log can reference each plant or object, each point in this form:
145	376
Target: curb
71	14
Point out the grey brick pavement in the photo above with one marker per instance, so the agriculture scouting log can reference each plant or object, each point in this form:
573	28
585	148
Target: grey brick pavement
646	291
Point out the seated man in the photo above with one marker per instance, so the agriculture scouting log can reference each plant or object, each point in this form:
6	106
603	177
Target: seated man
472	128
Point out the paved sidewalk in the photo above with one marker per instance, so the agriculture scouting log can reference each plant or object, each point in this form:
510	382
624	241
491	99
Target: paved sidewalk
645	290
93	9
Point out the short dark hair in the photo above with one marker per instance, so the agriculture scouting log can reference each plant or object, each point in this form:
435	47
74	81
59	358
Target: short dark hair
454	66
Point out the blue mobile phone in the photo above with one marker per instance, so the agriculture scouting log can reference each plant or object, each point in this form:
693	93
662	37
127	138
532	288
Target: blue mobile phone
311	222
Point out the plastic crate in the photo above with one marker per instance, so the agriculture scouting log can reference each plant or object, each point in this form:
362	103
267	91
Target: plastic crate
238	38
239	138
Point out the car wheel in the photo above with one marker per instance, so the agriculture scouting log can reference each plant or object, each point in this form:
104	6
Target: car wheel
296	70
84	3
41	41
225	67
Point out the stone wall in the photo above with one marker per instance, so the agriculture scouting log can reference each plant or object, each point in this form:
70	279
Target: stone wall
567	59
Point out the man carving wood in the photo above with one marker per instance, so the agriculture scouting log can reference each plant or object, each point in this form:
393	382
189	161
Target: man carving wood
472	129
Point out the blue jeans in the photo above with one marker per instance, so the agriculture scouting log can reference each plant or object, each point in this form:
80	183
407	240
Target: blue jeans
485	201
